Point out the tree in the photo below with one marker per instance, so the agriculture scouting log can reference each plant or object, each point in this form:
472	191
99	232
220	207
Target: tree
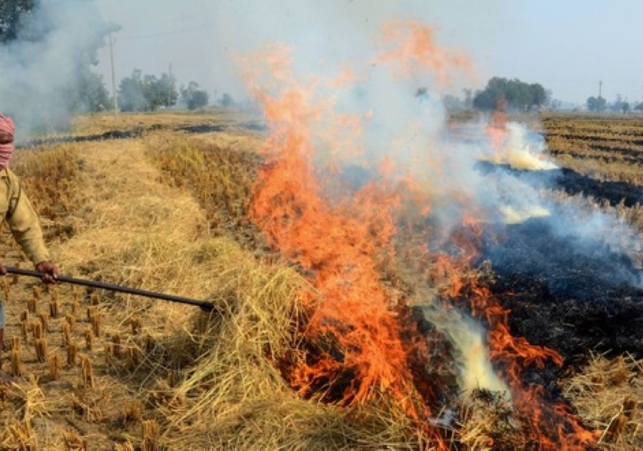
10	13
620	105
227	100
555	104
468	98
131	93
193	97
89	95
140	92
518	95
617	105
626	107
452	103
596	104
166	89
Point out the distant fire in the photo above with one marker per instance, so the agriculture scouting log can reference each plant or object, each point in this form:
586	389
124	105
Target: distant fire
359	344
509	145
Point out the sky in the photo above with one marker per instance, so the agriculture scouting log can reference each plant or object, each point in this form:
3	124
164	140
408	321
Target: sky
569	46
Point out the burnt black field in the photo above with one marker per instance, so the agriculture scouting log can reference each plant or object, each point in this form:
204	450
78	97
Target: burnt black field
573	183
575	295
565	297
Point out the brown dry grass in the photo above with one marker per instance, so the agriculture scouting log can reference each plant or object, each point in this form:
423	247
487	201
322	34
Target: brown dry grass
609	394
105	122
602	146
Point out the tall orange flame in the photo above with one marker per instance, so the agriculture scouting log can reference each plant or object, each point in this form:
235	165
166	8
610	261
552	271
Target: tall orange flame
340	246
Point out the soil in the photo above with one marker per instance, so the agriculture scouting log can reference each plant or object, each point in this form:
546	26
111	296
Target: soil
565	296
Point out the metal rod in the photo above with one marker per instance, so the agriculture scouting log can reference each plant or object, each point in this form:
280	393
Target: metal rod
204	305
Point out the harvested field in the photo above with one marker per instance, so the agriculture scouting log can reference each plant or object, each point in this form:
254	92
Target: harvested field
604	147
181	204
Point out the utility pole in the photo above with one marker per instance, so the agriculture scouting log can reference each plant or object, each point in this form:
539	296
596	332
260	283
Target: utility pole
114	93
169	88
600	88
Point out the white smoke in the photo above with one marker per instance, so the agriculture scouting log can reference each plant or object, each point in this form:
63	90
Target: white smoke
38	69
467	338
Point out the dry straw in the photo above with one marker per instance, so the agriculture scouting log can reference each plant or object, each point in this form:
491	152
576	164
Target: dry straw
608	394
6	289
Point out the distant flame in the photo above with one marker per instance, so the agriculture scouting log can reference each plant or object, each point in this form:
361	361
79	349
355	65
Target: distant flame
510	146
513	215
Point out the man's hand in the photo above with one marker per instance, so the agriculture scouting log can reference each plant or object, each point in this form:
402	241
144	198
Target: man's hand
49	270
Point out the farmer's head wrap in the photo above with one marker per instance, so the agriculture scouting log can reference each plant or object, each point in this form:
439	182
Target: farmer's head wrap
6	150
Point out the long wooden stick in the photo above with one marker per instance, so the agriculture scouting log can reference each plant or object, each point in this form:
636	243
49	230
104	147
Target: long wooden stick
203	305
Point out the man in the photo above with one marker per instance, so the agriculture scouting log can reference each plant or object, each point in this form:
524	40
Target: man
16	210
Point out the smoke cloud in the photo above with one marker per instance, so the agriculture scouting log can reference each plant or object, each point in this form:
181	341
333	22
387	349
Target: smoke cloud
41	68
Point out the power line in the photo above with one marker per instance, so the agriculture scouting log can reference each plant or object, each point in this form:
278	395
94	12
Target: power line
204	26
173	21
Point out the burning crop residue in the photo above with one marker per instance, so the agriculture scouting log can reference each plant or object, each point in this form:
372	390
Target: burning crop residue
396	311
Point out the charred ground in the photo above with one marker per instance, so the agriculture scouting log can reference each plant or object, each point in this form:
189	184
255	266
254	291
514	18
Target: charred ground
567	296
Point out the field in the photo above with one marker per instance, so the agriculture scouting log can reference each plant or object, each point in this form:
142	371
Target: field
167	202
603	147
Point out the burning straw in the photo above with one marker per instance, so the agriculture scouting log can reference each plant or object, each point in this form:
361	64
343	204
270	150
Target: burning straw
354	351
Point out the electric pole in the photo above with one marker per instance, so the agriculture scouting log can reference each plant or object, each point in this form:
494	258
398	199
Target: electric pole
169	88
600	88
111	57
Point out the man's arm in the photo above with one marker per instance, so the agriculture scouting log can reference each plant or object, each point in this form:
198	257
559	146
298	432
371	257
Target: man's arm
25	227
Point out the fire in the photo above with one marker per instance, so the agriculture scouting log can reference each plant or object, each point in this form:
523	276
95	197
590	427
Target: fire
508	144
341	247
553	426
358	344
497	128
414	50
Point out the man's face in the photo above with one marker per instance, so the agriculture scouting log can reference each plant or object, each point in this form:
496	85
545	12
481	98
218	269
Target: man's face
6	138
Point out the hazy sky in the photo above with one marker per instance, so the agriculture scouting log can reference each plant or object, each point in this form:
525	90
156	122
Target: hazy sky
567	46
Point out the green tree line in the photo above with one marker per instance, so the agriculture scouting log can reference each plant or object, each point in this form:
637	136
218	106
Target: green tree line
85	91
516	94
140	92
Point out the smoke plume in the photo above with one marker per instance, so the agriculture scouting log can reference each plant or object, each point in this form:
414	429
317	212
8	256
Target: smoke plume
42	67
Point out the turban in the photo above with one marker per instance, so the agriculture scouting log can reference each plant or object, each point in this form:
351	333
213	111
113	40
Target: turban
6	150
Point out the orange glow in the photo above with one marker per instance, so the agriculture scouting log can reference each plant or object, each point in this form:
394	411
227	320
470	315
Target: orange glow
414	51
346	78
497	128
341	247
